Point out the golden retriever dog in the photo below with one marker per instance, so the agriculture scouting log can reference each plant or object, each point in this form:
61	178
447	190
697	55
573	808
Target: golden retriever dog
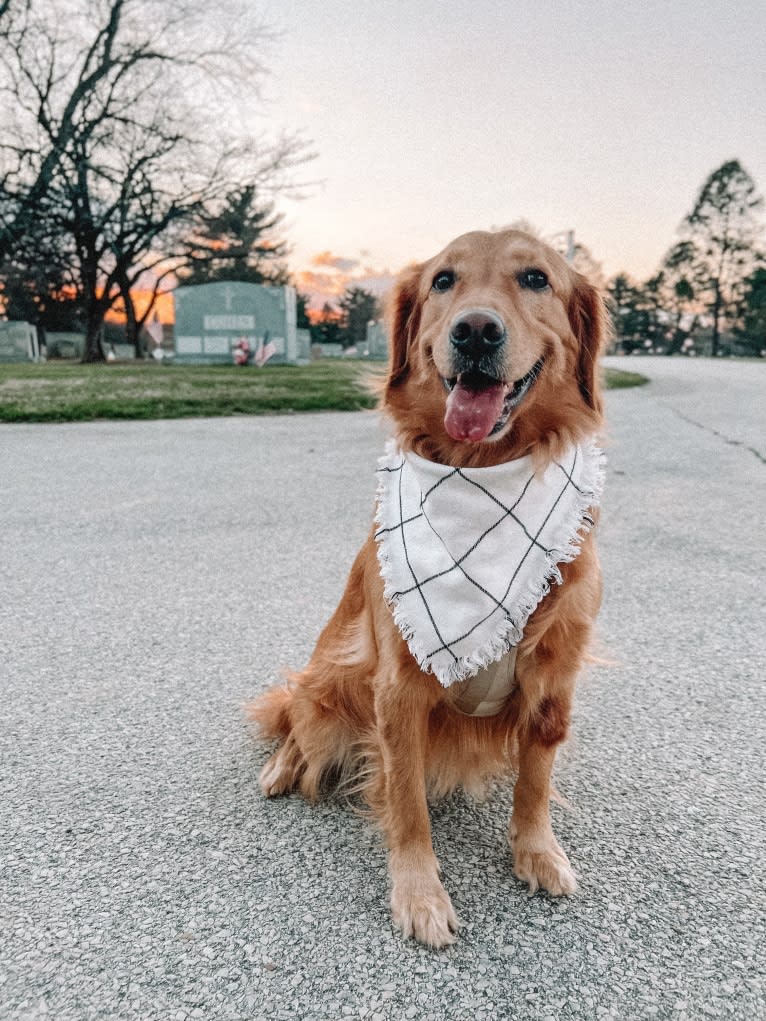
494	347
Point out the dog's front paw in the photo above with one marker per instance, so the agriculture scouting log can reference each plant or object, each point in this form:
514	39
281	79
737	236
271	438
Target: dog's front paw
421	908
538	859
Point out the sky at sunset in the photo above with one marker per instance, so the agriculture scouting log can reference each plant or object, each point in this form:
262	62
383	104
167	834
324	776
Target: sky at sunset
430	119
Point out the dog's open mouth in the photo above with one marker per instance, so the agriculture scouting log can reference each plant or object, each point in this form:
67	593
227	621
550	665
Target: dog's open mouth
479	405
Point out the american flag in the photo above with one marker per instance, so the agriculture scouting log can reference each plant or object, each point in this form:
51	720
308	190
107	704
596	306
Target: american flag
155	330
265	350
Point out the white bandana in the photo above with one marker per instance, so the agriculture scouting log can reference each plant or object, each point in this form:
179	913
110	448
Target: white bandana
466	554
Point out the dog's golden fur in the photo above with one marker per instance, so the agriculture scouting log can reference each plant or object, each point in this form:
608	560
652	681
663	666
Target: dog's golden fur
362	711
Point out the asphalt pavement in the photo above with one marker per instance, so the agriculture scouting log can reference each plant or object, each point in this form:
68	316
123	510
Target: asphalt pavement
154	576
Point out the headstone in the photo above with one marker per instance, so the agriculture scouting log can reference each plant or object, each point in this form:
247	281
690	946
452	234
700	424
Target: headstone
303	338
377	342
213	320
64	344
18	342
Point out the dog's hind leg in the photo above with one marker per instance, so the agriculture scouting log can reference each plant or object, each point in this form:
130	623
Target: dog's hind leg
283	769
323	713
320	742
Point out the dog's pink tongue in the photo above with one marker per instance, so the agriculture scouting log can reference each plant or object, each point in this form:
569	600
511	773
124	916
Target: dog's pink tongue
471	414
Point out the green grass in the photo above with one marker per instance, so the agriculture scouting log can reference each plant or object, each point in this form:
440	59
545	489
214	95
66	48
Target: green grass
70	392
616	379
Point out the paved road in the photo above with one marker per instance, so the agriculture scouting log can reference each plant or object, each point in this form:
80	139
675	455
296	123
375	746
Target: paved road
155	575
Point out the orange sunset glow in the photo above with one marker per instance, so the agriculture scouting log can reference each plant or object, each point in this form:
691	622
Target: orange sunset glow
328	275
163	307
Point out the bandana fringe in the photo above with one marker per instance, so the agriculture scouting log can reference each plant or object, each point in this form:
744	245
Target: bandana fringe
576	526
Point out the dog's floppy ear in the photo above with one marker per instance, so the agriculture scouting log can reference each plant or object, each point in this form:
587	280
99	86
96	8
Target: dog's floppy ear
590	325
403	323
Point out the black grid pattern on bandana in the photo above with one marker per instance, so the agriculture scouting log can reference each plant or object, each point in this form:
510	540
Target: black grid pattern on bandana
420	584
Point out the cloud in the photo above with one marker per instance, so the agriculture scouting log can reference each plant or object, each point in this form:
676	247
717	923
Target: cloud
379	283
337	273
330	261
320	287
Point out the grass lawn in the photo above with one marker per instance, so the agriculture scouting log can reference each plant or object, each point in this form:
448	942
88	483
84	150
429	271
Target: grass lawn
70	392
616	379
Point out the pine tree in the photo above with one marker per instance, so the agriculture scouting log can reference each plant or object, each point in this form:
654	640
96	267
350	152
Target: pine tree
752	333
358	307
725	229
236	241
326	328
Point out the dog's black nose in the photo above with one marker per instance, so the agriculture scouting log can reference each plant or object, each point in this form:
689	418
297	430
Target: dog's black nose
477	332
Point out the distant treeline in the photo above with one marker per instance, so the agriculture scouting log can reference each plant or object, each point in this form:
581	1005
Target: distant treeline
709	293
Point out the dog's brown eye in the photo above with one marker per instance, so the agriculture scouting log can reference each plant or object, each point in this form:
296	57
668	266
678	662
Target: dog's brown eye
533	279
443	280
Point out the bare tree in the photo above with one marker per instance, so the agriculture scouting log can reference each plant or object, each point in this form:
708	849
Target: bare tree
118	133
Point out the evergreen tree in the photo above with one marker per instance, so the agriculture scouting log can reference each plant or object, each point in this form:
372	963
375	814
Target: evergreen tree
751	335
634	313
677	285
327	329
724	229
236	240
302	320
358	307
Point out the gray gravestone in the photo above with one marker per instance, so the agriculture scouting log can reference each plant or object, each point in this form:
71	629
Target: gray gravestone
211	319
18	342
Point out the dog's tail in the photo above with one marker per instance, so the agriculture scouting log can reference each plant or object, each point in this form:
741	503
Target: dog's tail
271	713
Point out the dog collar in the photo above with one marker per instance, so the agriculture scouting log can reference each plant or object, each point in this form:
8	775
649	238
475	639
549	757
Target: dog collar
466	554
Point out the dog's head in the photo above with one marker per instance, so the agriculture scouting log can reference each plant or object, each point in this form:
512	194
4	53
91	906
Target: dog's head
494	348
